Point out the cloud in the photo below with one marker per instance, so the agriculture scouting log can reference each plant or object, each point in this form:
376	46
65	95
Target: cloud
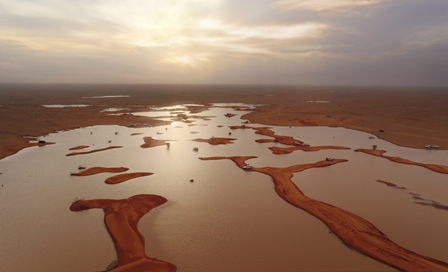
325	5
217	41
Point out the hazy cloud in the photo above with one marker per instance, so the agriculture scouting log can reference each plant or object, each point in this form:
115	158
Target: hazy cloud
381	42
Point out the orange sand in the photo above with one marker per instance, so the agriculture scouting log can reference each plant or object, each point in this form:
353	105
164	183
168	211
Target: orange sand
150	142
287	150
124	177
121	218
98	170
216	141
79	147
380	153
355	231
12	149
93	151
410	117
286	140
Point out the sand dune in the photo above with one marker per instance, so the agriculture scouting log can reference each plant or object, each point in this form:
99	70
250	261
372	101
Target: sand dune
121	218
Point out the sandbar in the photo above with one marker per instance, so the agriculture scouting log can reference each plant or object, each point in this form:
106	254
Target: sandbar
296	144
380	153
216	141
92	151
79	147
124	177
121	218
287	150
354	230
151	142
98	170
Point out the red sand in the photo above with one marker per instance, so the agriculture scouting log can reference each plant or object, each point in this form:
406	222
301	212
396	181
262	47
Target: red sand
79	147
287	150
121	218
124	177
286	140
216	141
380	153
352	229
98	170
92	151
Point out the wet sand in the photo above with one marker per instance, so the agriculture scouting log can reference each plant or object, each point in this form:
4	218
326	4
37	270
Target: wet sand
125	177
92	151
79	147
408	116
98	170
380	153
216	141
296	144
355	231
121	218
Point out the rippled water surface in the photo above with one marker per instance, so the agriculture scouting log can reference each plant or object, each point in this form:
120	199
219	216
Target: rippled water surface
227	219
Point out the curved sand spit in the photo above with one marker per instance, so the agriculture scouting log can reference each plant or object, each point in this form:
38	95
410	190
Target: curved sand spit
79	147
380	153
216	141
98	170
92	151
124	177
352	229
121	218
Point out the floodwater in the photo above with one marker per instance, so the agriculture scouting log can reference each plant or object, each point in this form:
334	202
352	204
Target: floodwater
227	219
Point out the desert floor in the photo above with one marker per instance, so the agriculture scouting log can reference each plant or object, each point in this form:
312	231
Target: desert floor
412	117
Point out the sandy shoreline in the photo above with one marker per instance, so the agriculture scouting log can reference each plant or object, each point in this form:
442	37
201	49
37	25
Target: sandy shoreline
408	117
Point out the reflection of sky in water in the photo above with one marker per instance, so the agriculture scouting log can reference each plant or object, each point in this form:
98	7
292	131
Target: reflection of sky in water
108	96
175	107
114	109
226	216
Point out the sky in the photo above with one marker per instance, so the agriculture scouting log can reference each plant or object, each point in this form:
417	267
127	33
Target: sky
291	42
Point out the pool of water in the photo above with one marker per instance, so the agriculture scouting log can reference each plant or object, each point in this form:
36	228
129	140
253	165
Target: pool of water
227	219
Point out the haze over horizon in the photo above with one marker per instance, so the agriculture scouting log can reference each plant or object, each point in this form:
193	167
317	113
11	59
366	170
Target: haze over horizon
305	42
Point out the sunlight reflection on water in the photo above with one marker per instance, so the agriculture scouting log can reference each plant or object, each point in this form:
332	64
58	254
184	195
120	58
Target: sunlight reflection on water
227	219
